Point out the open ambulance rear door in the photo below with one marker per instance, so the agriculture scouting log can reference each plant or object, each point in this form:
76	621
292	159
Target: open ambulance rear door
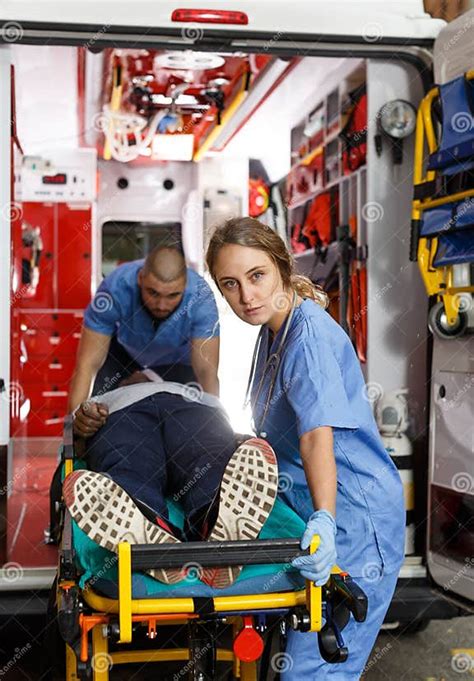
450	541
342	28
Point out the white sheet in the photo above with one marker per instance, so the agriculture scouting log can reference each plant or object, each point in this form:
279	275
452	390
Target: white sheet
123	397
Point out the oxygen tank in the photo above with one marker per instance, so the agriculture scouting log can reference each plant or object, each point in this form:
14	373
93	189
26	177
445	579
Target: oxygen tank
393	421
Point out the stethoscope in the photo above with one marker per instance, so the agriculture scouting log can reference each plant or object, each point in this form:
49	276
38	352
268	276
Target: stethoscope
273	363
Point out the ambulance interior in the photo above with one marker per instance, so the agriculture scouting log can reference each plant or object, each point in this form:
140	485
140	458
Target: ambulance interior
116	150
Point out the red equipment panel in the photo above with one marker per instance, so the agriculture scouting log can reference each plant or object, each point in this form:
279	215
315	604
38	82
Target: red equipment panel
64	323
43	423
40	215
45	341
52	370
49	343
74	256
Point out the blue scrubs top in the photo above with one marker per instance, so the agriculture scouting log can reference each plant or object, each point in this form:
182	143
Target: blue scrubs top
320	383
117	308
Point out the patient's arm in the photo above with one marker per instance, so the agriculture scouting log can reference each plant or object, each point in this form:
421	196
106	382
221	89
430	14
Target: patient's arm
89	417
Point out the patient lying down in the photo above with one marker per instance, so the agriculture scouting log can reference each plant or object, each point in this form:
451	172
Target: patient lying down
149	441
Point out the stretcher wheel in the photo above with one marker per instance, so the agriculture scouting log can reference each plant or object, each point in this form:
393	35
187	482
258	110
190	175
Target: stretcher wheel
438	323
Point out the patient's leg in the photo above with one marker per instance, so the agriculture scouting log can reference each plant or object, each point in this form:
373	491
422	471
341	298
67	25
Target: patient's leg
199	442
109	516
129	448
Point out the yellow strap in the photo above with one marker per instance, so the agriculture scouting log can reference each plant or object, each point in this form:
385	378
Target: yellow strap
114	105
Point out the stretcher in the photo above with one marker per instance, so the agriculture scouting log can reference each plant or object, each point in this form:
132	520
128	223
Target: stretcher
442	227
100	631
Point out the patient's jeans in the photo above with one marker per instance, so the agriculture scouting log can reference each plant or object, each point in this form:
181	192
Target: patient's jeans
165	445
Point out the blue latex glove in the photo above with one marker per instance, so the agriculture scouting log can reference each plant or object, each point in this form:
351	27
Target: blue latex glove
317	566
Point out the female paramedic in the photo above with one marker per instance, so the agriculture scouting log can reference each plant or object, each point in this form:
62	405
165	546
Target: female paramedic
309	401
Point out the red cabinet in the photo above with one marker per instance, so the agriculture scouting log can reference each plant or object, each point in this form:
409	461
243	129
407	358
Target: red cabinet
48	344
65	263
47	319
74	255
43	217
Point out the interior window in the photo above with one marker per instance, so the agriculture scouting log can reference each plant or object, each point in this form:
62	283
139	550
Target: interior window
125	241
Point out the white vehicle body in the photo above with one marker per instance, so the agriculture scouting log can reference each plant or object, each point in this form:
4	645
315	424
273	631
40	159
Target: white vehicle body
393	41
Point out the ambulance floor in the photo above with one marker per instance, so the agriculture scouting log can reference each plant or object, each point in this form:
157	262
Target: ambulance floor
33	462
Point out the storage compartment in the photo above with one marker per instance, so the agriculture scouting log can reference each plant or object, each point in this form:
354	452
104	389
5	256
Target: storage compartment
47	370
42	217
74	255
39	342
64	323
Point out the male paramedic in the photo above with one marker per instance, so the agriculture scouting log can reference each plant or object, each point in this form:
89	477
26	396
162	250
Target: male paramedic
147	315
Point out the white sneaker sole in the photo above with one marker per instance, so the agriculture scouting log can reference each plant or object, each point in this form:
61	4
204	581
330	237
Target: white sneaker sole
247	494
106	513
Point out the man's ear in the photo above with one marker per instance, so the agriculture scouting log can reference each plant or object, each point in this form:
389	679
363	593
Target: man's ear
140	276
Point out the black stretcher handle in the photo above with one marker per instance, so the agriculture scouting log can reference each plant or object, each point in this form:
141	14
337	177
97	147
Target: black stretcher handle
215	554
354	598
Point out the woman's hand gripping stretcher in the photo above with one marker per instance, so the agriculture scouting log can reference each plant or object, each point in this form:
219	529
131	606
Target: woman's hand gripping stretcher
318	565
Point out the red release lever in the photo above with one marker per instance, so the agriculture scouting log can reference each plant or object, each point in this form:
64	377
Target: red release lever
248	644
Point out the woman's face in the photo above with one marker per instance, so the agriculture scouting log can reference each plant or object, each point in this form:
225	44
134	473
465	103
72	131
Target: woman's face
250	282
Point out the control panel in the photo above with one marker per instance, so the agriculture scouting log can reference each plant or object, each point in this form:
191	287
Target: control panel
66	175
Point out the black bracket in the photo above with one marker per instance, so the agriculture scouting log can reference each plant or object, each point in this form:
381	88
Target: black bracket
343	598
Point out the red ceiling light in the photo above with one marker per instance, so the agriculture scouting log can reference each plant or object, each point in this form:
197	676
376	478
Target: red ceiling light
210	16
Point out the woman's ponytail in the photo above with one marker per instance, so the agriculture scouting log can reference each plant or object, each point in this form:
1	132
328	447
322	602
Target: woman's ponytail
305	288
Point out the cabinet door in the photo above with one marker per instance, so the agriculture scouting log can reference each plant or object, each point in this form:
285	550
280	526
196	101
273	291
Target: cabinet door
40	216
74	255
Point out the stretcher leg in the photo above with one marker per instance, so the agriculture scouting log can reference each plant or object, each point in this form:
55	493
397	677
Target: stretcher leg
71	666
202	651
236	627
101	659
248	671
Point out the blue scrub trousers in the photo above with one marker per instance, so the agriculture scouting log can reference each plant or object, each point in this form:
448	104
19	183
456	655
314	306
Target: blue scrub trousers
302	659
164	446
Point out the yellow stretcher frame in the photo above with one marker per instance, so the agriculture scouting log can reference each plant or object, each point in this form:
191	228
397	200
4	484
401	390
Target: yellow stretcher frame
438	281
166	611
86	619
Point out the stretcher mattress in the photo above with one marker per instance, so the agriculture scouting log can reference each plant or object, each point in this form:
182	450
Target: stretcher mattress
100	566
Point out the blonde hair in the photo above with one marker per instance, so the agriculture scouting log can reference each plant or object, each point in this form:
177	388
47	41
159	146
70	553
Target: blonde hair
254	234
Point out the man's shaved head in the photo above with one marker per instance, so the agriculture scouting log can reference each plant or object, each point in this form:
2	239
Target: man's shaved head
166	263
162	281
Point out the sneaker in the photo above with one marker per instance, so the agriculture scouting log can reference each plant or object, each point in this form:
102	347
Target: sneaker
247	494
105	512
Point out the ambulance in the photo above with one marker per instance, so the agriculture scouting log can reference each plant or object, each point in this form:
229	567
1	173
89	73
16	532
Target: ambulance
347	126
